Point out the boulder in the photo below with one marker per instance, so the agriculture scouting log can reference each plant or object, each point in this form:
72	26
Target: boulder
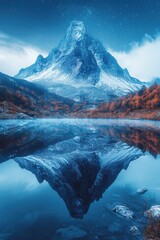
142	190
153	213
134	231
123	211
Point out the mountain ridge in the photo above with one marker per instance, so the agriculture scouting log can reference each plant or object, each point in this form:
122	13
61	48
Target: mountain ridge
22	99
81	68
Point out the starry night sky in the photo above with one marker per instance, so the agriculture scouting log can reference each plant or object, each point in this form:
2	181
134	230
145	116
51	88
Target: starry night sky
117	23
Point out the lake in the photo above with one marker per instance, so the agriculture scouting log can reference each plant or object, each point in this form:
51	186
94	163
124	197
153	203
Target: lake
60	179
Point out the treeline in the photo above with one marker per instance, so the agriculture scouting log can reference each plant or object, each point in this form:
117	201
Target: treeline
147	99
19	97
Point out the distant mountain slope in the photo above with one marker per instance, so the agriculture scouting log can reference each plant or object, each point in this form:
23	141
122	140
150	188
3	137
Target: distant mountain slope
80	68
144	104
155	81
21	99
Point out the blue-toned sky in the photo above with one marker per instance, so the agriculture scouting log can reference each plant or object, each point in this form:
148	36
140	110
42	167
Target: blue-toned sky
120	24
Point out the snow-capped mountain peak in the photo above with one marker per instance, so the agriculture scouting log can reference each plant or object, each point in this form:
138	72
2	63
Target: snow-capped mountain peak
75	33
81	68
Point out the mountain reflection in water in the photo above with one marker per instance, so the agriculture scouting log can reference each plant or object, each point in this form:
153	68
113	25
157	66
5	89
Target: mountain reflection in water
77	162
79	159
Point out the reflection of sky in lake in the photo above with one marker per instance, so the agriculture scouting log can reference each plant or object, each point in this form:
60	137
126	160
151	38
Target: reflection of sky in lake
30	210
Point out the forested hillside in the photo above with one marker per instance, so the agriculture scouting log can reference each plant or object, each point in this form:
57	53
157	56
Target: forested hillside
144	104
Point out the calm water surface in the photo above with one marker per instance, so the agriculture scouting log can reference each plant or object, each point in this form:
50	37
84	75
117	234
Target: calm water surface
60	179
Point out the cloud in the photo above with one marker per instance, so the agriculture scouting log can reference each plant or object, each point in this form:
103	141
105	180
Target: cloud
143	59
15	54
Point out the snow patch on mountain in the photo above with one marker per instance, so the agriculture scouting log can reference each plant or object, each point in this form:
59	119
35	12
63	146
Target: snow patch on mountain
81	65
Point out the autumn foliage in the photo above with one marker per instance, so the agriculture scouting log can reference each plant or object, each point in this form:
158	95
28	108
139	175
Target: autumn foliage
152	232
19	98
145	139
143	104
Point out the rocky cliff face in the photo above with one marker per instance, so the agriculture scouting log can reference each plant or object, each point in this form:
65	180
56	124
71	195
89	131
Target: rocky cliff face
81	68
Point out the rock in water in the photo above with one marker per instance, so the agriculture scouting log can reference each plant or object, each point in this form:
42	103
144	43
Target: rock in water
153	213
142	190
70	232
134	230
123	211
